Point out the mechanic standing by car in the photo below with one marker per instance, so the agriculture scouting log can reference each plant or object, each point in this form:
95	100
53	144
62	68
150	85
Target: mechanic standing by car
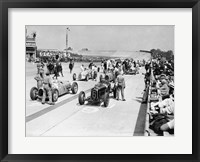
120	85
47	89
40	66
40	78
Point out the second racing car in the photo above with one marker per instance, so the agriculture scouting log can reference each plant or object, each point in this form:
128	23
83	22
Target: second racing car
85	75
58	89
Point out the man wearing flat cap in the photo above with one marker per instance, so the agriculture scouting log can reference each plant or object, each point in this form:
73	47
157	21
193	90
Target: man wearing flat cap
47	89
40	78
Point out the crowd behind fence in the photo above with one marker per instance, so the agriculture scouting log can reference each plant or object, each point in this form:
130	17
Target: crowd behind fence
159	80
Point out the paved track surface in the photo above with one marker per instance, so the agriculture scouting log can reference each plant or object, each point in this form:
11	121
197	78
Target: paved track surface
68	118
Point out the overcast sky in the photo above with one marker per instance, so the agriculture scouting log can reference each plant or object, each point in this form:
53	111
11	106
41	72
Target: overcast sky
130	38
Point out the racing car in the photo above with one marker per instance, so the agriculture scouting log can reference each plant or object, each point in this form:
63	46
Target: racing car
85	75
110	76
99	93
58	89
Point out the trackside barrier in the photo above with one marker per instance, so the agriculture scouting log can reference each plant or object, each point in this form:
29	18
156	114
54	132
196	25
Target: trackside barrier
147	123
146	131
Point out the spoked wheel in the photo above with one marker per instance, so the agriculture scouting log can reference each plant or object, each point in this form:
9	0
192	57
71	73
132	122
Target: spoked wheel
100	78
81	97
106	100
74	88
55	95
33	93
74	76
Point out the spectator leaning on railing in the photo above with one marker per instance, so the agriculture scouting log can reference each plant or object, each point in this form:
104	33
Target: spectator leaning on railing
163	90
166	108
162	112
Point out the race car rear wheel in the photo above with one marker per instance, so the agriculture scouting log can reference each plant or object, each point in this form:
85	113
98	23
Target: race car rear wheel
74	76
100	78
74	88
55	95
81	97
33	93
106	100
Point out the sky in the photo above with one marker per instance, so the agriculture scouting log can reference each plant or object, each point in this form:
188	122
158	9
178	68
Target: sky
121	38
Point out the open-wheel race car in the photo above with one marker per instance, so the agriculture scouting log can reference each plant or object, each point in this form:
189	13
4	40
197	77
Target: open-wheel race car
109	76
58	89
99	93
85	75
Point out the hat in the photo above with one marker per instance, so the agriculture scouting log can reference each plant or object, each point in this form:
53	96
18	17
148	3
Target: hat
163	81
162	76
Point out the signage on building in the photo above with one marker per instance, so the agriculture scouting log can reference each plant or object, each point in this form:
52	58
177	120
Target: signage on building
30	44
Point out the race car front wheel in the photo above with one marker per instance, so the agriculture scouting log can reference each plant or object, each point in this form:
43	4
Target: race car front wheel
81	97
33	93
100	78
74	76
55	95
106	100
74	88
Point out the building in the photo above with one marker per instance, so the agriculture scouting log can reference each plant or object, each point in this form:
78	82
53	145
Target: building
31	47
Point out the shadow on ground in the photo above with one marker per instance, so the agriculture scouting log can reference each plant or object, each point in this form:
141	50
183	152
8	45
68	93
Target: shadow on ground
141	119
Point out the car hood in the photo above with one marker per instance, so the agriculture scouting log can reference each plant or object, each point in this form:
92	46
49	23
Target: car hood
100	86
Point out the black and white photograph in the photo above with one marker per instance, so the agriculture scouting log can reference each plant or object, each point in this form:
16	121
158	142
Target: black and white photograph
99	80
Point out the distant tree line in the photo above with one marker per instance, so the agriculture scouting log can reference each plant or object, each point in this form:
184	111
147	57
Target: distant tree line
159	54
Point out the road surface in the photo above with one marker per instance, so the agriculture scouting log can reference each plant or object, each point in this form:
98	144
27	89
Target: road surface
68	118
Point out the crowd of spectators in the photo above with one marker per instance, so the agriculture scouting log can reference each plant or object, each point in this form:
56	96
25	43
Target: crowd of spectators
123	66
159	80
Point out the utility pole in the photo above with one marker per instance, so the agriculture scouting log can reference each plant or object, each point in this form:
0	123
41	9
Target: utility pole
67	29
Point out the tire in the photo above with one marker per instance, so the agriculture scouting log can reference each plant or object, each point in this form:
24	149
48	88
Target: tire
100	78
74	88
55	95
33	93
87	77
74	76
106	100
81	98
